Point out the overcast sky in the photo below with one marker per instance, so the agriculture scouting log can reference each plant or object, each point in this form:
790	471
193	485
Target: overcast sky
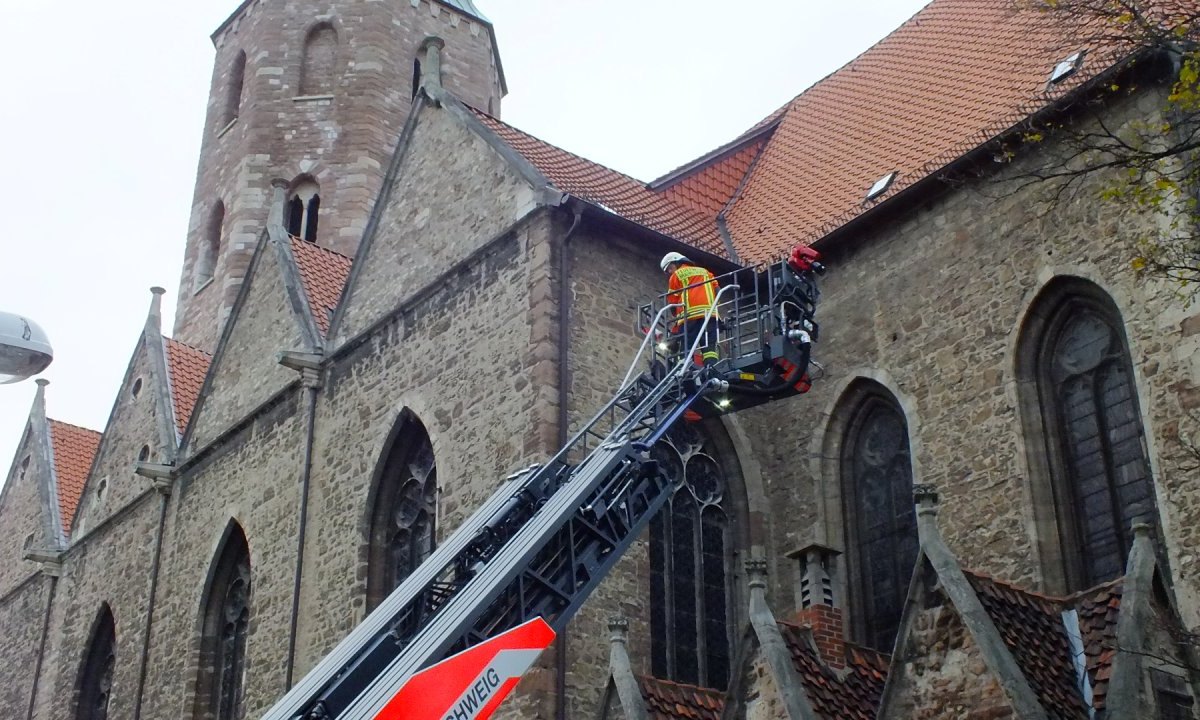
104	103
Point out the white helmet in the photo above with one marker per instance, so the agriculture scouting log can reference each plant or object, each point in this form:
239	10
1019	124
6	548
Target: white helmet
671	257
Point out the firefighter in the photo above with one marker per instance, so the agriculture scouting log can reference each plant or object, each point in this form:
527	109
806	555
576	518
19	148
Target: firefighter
695	289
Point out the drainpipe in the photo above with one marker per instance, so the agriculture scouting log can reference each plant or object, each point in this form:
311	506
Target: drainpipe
162	476
309	365
564	337
52	567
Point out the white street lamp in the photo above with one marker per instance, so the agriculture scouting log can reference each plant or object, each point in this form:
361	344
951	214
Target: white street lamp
24	349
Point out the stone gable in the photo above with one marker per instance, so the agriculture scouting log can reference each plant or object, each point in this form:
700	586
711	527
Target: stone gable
452	194
245	371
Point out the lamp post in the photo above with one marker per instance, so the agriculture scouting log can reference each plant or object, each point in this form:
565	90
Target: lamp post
24	349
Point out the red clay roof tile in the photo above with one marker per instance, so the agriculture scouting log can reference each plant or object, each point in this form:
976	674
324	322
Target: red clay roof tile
852	694
709	189
1032	627
666	700
955	75
323	273
186	368
616	192
74	449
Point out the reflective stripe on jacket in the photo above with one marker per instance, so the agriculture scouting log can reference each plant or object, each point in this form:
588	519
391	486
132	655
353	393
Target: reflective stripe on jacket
693	286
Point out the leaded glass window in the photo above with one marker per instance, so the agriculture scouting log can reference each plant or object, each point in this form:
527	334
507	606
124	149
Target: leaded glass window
226	629
95	682
690	557
1095	433
402	526
881	521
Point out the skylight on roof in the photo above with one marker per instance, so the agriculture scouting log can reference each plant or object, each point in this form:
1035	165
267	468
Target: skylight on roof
1066	67
881	186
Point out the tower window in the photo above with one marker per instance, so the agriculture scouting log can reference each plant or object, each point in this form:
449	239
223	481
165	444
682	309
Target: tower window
233	97
319	65
303	210
210	246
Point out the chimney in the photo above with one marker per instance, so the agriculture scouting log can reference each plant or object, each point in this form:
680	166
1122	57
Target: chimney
816	608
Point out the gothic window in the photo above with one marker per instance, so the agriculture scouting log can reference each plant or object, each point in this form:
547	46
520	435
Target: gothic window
96	675
404	509
210	246
226	624
691	553
1097	463
318	67
881	524
233	90
302	210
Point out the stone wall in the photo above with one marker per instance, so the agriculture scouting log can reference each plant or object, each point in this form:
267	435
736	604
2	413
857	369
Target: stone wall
133	425
342	140
23	514
252	478
943	673
110	566
22	608
930	306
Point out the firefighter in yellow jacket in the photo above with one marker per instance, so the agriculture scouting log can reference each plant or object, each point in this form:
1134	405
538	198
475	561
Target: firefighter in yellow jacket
695	289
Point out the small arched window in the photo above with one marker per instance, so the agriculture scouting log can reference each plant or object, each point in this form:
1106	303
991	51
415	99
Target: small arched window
1086	408
233	89
96	673
210	246
691	556
225	629
303	210
880	519
319	65
404	511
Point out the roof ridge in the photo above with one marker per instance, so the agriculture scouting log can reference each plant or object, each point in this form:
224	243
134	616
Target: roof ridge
73	425
676	683
530	135
1012	586
168	338
314	246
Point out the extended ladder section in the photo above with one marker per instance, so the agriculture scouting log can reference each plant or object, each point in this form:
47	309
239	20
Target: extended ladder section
550	533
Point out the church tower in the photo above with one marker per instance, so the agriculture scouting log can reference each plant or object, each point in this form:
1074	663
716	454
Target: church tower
314	92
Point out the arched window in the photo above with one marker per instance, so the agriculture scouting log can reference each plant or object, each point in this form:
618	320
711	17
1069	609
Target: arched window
318	67
880	520
1085	408
303	209
226	624
691	558
96	674
233	89
210	245
404	510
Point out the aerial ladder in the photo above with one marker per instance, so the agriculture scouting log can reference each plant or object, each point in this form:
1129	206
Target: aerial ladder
454	637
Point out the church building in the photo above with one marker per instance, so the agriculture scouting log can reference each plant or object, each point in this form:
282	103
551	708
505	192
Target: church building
988	505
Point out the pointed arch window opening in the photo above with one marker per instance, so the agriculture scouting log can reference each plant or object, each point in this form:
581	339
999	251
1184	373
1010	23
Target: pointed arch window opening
95	683
404	519
221	694
880	518
1096	440
303	211
691	557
